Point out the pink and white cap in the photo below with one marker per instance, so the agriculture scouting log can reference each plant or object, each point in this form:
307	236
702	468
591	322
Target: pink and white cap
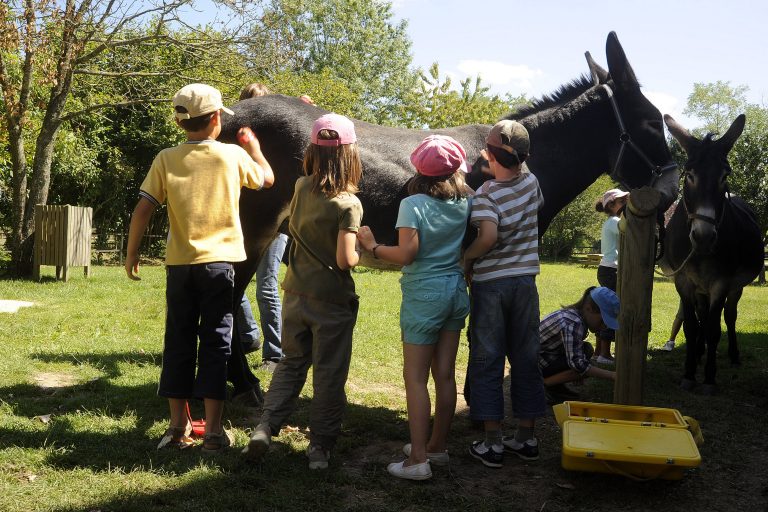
338	123
439	155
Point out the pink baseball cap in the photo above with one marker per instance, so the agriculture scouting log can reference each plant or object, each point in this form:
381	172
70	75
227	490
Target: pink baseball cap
439	155
612	195
338	123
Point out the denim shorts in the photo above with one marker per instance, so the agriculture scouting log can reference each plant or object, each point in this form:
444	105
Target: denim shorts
432	305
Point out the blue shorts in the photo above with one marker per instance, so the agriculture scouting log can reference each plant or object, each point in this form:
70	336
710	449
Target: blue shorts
432	305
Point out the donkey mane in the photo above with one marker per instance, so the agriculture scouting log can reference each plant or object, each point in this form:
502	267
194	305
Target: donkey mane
566	93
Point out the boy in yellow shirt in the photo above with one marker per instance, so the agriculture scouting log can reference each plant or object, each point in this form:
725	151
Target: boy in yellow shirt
200	181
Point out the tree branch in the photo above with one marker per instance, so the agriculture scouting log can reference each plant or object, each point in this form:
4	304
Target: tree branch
72	115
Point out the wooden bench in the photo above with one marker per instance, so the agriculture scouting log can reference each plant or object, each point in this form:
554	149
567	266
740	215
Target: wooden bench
587	259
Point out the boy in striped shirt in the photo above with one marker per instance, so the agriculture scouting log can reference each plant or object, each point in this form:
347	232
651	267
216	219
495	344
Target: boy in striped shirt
503	262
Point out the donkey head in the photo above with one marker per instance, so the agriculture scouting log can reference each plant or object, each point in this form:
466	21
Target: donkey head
705	188
642	157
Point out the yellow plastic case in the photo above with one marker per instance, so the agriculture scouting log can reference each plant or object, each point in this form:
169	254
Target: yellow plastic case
632	450
589	412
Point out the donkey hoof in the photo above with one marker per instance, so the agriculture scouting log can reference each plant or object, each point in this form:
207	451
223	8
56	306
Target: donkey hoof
709	389
687	384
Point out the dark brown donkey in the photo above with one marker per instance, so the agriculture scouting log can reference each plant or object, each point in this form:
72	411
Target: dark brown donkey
714	248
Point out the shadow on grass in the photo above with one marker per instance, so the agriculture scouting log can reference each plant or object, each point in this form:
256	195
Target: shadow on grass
104	426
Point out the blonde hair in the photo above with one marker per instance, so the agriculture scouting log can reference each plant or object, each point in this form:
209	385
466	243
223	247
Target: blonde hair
254	90
334	169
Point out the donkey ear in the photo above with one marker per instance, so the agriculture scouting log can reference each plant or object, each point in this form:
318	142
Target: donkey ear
621	72
734	132
680	134
599	75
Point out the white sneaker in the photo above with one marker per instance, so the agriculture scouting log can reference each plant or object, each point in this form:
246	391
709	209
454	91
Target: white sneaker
438	459
605	360
415	472
668	346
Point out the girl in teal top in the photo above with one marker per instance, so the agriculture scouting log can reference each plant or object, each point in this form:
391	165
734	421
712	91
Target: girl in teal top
430	224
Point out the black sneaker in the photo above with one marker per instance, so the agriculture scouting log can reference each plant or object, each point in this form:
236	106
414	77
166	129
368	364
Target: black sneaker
491	457
528	450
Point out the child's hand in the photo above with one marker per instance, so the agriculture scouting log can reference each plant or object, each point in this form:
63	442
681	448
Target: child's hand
132	267
365	237
247	139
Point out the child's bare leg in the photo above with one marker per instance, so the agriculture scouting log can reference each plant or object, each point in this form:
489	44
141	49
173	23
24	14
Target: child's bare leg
213	412
178	407
416	363
444	375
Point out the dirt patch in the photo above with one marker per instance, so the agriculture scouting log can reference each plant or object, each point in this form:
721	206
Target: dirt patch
55	380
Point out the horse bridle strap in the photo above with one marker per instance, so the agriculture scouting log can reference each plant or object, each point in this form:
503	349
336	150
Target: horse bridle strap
626	140
705	218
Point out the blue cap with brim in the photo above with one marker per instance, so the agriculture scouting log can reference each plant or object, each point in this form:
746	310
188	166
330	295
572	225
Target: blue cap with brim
608	302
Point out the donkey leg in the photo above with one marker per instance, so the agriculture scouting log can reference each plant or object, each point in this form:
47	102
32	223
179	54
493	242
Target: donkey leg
691	332
712	332
730	314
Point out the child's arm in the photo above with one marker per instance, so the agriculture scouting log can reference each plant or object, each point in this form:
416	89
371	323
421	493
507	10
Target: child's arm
401	254
595	371
487	234
248	141
346	249
139	221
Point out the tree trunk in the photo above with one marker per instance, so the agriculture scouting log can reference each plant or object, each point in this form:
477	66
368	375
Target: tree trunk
19	193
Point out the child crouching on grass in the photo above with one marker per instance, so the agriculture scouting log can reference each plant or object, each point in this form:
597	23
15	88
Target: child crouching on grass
200	181
430	224
564	355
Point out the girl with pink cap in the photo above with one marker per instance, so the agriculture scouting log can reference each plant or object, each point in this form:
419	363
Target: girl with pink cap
319	304
430	223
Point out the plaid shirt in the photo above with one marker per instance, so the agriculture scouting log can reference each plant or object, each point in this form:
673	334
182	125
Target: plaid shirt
562	334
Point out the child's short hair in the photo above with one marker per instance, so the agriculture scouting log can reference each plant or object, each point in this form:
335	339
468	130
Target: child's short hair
332	159
194	124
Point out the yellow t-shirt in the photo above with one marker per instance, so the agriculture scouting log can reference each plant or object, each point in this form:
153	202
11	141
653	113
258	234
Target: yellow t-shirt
201	182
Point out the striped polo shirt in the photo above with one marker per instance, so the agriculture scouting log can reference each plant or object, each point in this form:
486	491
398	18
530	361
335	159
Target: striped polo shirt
513	206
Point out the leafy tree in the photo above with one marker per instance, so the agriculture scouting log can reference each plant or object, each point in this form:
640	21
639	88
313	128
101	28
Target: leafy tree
433	104
576	225
60	61
717	104
355	40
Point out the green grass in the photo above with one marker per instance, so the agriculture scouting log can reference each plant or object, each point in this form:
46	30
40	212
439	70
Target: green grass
101	339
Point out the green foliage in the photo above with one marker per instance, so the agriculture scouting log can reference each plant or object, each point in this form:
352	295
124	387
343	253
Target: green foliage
356	40
435	105
577	225
326	90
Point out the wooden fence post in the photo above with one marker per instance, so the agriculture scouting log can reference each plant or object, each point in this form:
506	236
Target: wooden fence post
635	289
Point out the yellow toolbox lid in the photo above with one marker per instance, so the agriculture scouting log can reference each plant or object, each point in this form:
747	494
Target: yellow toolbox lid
612	413
630	443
